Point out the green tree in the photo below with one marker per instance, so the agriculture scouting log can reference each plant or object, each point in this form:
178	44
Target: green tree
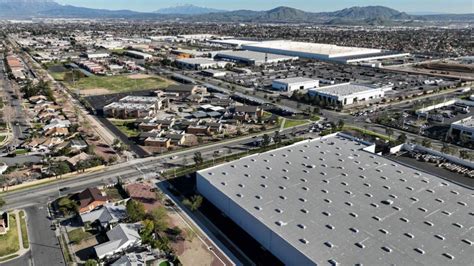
389	132
198	160
67	206
402	138
2	202
340	124
446	149
265	140
135	210
60	168
277	137
464	154
159	218
90	262
194	203
426	143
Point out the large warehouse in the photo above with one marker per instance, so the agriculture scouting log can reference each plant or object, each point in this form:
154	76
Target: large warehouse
292	84
199	63
253	58
333	201
347	93
320	51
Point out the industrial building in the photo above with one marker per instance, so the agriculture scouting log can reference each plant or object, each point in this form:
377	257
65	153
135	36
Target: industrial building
253	58
320	51
347	93
137	54
334	201
462	129
292	84
199	63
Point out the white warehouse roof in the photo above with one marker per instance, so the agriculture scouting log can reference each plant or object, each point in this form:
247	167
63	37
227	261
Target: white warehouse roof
334	201
343	89
295	80
308	50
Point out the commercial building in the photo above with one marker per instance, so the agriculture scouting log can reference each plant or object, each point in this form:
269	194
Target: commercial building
292	84
462	129
347	94
97	55
138	55
334	201
213	73
134	107
320	51
199	63
253	58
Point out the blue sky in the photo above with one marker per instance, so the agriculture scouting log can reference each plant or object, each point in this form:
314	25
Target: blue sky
444	6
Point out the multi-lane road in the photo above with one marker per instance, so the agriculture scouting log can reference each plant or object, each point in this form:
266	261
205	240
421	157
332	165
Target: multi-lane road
45	249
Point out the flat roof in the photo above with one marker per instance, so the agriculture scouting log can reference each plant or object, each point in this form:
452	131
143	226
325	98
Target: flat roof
332	199
295	80
233	42
255	56
343	89
466	122
196	61
329	50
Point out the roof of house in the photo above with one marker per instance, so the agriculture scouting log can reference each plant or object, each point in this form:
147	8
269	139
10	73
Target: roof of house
108	213
77	158
88	196
118	236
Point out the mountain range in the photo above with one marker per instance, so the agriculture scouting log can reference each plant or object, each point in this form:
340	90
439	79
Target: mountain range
187	10
369	15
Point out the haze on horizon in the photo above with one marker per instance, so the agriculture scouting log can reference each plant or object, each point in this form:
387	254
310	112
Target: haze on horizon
409	6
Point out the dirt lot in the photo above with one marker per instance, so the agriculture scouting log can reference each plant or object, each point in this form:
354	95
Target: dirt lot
97	91
139	76
191	251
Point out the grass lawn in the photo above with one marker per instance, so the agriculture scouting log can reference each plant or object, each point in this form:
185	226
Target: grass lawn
126	126
2	138
20	151
294	123
117	84
77	235
24	230
9	243
369	133
164	263
59	76
114	194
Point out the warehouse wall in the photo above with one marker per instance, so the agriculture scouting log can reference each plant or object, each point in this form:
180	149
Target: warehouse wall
288	254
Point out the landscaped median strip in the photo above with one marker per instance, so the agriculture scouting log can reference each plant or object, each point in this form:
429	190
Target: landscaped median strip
24	230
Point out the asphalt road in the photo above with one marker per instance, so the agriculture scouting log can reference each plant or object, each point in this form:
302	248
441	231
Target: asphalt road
45	248
18	117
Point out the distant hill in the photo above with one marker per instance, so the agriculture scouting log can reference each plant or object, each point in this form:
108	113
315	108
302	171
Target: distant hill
369	15
187	10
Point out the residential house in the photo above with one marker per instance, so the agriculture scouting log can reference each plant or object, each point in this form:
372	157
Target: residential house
158	142
247	112
73	161
138	259
77	144
89	199
176	138
57	131
107	216
121	238
4	223
199	130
